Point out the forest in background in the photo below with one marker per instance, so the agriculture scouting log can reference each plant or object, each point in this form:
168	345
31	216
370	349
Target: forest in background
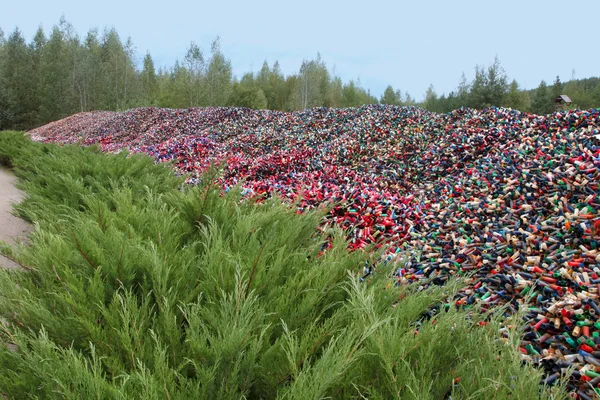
60	73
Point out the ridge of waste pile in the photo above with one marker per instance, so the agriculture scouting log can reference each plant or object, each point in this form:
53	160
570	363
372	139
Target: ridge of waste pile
510	197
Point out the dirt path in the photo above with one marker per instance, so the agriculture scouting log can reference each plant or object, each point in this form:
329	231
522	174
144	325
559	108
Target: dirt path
12	229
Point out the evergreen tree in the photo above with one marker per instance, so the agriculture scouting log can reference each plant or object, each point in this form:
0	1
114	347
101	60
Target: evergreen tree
279	88
37	50
541	103
409	100
18	103
398	94
265	84
391	97
350	96
477	96
245	93
61	74
516	98
93	84
149	80
130	75
557	88
488	88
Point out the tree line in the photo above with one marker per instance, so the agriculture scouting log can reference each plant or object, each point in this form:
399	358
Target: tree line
492	87
61	73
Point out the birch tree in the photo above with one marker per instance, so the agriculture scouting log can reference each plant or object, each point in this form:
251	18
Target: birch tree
218	76
194	63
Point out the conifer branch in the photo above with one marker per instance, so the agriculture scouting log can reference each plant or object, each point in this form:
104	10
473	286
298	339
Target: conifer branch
262	247
83	253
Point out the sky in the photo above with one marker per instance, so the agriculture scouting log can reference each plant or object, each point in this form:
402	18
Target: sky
408	44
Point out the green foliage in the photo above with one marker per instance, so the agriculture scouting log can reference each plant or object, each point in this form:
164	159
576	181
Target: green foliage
248	93
391	97
353	95
516	98
59	74
137	286
431	99
311	86
557	88
585	93
149	81
542	101
491	88
17	82
218	76
194	71
54	77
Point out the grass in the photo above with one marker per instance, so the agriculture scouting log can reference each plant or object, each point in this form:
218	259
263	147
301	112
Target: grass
136	286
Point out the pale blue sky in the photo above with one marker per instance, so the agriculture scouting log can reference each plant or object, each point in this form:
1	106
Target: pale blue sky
406	44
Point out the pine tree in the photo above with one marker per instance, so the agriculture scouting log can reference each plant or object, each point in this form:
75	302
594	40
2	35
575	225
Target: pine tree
37	51
265	84
478	88
541	103
516	98
93	83
279	88
391	97
488	88
557	88
18	100
350	96
149	80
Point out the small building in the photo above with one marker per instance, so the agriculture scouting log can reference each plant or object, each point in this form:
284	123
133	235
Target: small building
562	101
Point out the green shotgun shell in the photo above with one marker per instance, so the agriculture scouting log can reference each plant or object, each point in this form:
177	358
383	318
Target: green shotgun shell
531	349
591	374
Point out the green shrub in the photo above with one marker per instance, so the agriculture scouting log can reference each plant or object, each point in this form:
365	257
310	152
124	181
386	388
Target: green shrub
137	286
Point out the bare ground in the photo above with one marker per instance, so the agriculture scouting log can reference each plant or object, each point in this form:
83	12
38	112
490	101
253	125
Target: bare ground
12	229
